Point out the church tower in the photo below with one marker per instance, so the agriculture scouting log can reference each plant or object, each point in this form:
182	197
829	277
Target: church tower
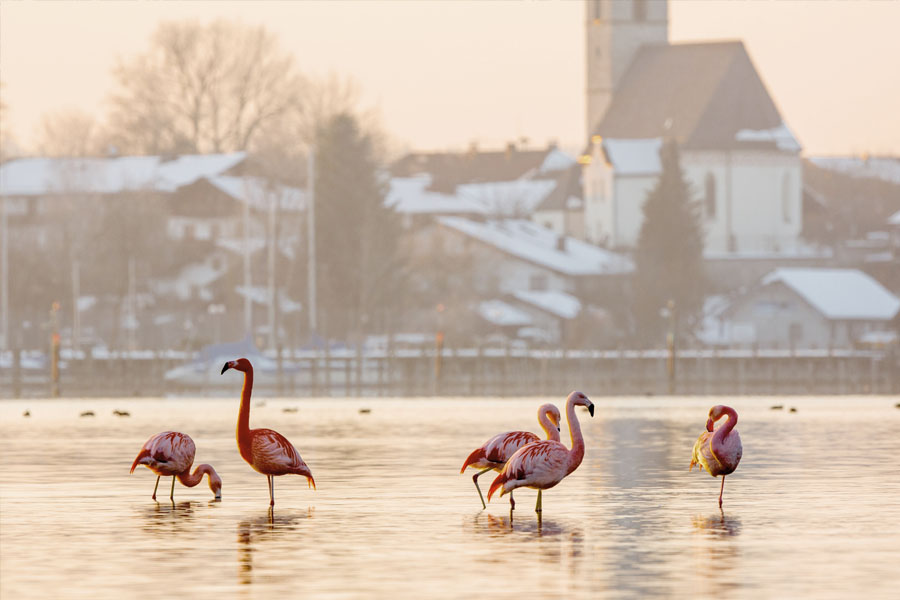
615	30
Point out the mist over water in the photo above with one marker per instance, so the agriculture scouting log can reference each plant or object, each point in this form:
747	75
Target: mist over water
812	510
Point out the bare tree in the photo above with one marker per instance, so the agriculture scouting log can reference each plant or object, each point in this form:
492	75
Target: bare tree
202	88
69	133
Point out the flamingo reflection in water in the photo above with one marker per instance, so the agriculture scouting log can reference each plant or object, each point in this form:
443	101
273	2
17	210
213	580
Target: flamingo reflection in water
718	451
542	465
267	451
494	453
171	454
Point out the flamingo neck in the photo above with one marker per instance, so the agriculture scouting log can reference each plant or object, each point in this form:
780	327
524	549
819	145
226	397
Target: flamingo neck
718	438
243	424
576	454
189	479
549	428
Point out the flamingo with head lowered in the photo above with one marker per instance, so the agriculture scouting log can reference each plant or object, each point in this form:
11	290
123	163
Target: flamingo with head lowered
171	454
718	451
267	451
541	465
494	453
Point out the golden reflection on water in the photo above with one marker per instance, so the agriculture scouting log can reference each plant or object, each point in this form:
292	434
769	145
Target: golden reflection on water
393	518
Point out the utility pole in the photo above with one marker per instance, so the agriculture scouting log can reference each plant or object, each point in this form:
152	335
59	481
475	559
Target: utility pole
271	265
248	301
4	277
76	309
311	240
670	343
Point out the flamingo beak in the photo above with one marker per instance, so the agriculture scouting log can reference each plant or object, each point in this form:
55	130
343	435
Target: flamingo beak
710	424
591	409
226	367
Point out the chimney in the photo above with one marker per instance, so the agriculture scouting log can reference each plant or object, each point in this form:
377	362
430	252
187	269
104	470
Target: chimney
561	243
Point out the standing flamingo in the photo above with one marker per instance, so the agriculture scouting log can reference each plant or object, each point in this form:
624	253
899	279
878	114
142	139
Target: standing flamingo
718	452
494	453
171	453
267	451
541	465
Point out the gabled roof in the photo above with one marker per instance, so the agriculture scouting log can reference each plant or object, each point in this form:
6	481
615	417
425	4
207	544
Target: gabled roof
45	176
839	293
704	95
257	192
531	242
450	169
568	192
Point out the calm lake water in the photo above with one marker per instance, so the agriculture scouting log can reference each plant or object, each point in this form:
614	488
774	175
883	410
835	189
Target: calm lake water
812	511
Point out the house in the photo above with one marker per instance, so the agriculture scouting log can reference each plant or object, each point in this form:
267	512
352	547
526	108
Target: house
814	308
737	153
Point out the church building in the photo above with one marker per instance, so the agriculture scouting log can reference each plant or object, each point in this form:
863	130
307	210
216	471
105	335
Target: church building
740	158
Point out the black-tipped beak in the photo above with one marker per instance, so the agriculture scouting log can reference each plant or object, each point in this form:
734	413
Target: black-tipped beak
557	428
225	368
591	409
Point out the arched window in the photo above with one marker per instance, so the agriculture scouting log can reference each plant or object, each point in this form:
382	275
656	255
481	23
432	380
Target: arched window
710	198
786	197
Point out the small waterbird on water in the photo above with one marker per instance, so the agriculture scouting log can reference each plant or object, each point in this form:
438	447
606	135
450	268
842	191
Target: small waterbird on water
171	454
494	453
267	451
718	451
542	465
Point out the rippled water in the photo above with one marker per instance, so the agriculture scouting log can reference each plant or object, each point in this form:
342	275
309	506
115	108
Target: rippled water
812	511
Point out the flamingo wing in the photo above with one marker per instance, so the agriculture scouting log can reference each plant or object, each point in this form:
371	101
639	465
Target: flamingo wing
496	451
273	454
540	465
167	453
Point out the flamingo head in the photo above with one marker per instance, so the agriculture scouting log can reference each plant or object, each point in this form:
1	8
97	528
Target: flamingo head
241	364
716	413
552	414
579	399
215	484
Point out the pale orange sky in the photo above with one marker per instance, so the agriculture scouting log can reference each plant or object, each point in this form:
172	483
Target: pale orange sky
443	74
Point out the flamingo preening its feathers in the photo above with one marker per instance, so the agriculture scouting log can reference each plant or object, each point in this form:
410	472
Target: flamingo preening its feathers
541	465
718	451
494	453
171	454
267	451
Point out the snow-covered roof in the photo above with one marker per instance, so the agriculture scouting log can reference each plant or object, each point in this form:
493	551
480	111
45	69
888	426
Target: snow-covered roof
886	168
839	293
507	198
894	219
260	295
556	160
635	156
43	176
500	313
781	136
257	192
539	245
554	302
409	195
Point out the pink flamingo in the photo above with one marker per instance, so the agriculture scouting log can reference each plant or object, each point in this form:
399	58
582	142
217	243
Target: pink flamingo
541	465
718	452
494	453
267	451
171	453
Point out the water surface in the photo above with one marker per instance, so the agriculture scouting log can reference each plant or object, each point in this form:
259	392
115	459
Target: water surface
812	511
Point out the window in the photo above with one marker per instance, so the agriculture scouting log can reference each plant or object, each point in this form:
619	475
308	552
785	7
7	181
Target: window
795	333
538	282
786	197
640	10
596	9
710	198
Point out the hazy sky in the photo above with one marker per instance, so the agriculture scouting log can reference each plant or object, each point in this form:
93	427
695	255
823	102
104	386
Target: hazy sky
443	74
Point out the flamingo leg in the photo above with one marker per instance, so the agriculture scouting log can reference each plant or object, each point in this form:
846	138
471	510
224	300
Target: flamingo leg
475	479
537	507
172	493
721	491
512	503
153	497
271	490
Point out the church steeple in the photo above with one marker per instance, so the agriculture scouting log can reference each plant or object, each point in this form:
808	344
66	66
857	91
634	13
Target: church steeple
615	30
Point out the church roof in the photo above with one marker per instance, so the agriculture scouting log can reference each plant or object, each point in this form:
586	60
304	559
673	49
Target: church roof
705	95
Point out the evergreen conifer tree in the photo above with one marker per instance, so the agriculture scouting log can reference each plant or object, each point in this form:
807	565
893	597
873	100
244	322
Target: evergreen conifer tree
669	254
